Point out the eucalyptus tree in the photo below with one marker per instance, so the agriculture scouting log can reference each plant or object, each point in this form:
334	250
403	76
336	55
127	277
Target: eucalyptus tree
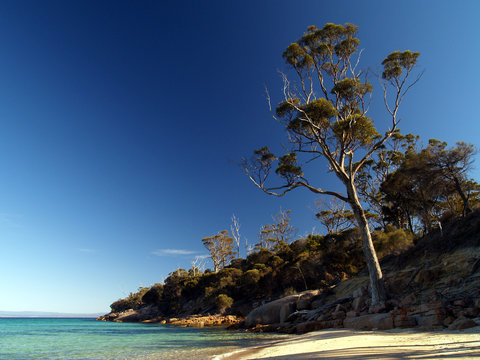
220	247
325	115
275	236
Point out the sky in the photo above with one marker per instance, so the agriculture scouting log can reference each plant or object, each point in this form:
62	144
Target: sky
122	124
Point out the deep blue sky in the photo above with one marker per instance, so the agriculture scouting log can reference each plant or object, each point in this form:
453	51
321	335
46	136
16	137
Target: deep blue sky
121	124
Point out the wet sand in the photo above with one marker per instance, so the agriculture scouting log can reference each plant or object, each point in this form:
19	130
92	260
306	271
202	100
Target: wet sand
342	344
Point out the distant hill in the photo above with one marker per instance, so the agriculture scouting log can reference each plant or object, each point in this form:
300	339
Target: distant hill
41	314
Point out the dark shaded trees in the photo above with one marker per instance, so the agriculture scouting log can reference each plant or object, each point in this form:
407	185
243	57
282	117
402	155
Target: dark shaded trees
429	185
453	164
376	170
325	116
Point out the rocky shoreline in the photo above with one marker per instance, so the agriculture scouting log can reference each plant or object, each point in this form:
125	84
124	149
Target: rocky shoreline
354	312
441	293
149	316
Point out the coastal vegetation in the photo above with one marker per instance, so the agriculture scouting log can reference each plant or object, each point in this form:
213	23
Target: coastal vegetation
281	265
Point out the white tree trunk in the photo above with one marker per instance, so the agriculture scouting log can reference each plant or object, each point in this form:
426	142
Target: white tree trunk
377	285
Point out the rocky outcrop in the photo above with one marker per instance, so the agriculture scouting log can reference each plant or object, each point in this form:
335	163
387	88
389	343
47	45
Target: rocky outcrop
131	315
273	312
278	311
442	292
370	321
201	320
144	316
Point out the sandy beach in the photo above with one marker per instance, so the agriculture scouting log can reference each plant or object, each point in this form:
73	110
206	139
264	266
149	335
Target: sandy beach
338	344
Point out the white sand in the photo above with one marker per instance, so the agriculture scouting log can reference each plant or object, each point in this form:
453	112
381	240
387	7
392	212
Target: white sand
348	344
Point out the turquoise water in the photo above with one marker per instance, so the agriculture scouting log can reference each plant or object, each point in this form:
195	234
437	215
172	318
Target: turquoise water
22	338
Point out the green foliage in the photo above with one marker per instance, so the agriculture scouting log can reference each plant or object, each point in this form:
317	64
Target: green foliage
223	302
252	276
350	89
264	155
288	168
429	185
286	109
154	295
229	277
310	118
356	129
392	241
132	301
275	262
396	62
289	291
259	257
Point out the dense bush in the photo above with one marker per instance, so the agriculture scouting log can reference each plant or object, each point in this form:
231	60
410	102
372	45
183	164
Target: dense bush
392	241
154	295
223	302
132	301
252	276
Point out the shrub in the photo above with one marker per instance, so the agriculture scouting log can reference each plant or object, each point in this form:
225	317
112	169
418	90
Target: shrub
226	281
121	305
288	291
275	262
251	277
223	302
132	301
260	267
154	295
392	241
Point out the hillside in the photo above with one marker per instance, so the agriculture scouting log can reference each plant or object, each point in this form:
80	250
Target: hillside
433	283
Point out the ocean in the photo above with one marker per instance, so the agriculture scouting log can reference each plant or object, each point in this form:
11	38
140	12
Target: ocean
40	338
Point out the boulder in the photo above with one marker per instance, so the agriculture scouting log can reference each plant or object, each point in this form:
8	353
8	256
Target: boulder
370	322
360	292
269	313
402	321
359	303
338	315
276	311
285	311
429	321
462	323
304	301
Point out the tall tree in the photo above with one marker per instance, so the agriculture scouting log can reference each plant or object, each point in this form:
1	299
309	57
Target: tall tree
326	117
220	247
281	232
